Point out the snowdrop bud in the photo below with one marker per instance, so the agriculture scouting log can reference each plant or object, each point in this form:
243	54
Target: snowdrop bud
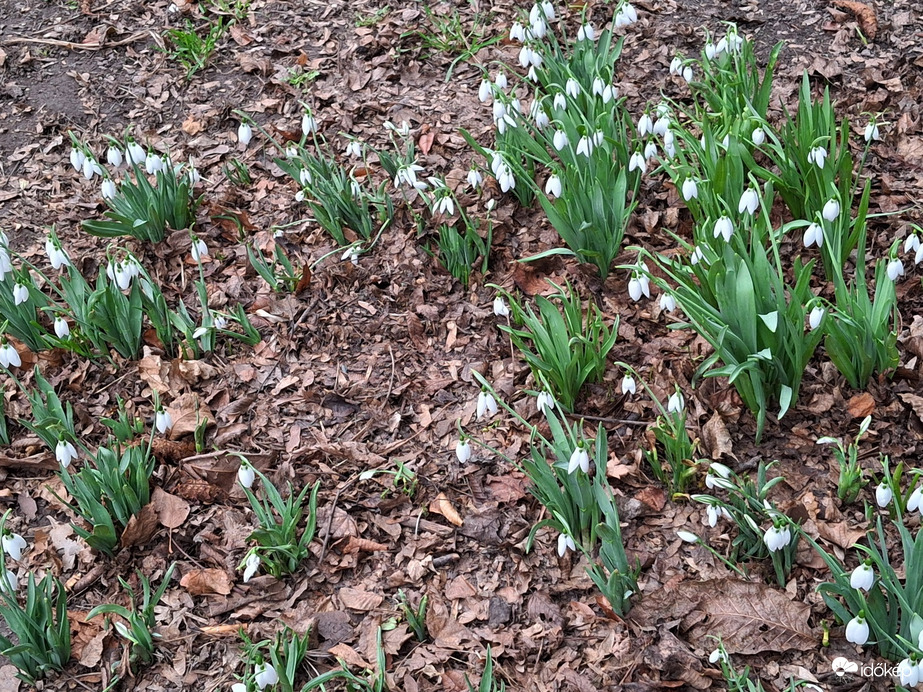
13	545
61	328
88	170
598	86
645	125
244	134
749	201
688	74
871	132
724	228
676	65
862	577
308	123
675	404
895	269
634	289
814	319
814	234
758	136
553	186
667	302
628	385
252	565
857	630
463	451
579	459
690	189
163	421
501	309
687	536
559	140
831	210
883	494
114	156
484	91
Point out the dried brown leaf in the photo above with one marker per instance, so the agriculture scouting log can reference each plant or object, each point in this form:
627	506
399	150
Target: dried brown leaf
915	402
442	505
205	581
356	545
861	405
865	15
716	437
356	599
141	527
171	510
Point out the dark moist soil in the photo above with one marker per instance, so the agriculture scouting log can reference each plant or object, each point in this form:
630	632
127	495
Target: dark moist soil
371	365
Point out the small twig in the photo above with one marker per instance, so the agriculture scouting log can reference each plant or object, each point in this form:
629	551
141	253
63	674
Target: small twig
99	45
603	419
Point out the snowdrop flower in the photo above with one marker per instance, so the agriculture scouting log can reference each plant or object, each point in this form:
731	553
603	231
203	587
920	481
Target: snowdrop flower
690	189
572	88
486	404
758	136
553	186
676	65
65	453
407	175
252	565
696	256
610	92
499	109
676	403
485	91
857	630
639	285
667	302
6	265
541	119
687	536
77	158
626	16
883	494
163	421
817	155
585	146
565	543
559	140
688	74
56	255
579	459
475	178
711	50
525	56
354	149
749	201
724	228
598	86
501	309
662	125
152	163
500	80
650	151
645	125
20	293
308	123
814	319
916	260
777	538
463	451
114	156
908	672
9	356
871	133
445	206
538	28
628	385
559	102
717	655
506	179
245	476
9	583
717	476
862	577
814	234
913	502
586	32
831	210
637	162
108	190
544	400
517	32
199	249
135	153
61	328
895	269
911	243
714	512
13	545
244	134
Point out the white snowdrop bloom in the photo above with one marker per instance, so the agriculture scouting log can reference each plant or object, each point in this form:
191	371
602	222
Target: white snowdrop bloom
199	249
814	234
525	56
565	543
251	567
690	189
908	672
667	302
717	655
308	124
687	537
548	9
863	577
598	86
676	65
114	156
637	162
9	356
634	289
539	28
610	92
871	133
713	513
724	228
475	178
61	328
628	385
445	206
65	453
559	102
354	149
486	405
718	476
688	74
914	501
711	50
135	153
463	451
572	88
895	269
13	544
883	494
749	201
163	421
553	186
265	675
912	243
532	75
676	403
153	163
499	109
9	583
543	401
20	293
108	190
814	319
87	168
244	134
579	459
650	151
77	158
831	210
484	91
541	119
919	256
857	630
645	125
559	140
585	146
517	32
777	538
501	309
696	256
758	136
6	264
662	125
501	81
817	155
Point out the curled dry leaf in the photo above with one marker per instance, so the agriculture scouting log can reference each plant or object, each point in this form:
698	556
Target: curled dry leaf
865	15
716	437
442	505
861	405
199	582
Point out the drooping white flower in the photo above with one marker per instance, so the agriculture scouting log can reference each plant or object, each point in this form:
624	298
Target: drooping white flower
718	476
485	90
687	536
628	385
501	309
354	149
817	314
817	156
572	88
9	583
634	288
517	32
65	453
486	404
565	543
475	178
152	163
163	420
544	400
308	123
711	50
688	74
20	293
862	577
883	494
61	328
559	140
676	403
676	65
814	234
831	210
724	228
445	205
199	249
77	158
715	512
914	501
244	134
908	672
579	459
108	189
758	136
645	125
871	132
895	269
696	256
13	545
553	186
777	537
749	201
667	302
650	151
251	567
9	356
135	153
585	146
911	243
114	156
500	80
690	189
463	451
637	162
857	630
246	475
586	32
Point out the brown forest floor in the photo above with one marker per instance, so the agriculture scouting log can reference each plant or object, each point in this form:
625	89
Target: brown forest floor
371	364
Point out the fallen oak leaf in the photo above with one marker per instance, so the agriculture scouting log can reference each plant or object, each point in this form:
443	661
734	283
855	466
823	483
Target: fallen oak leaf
200	582
171	510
